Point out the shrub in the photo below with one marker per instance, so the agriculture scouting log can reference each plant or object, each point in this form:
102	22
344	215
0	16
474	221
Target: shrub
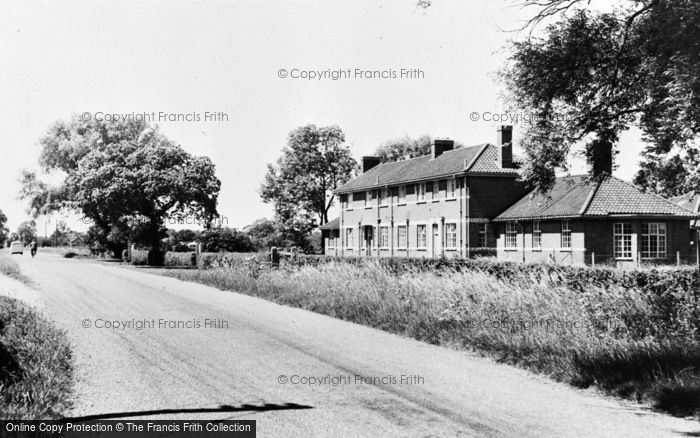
139	257
35	365
179	259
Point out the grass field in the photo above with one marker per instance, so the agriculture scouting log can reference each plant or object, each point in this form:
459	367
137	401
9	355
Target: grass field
621	340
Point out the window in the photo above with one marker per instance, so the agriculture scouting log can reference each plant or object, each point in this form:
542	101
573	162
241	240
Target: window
483	235
422	236
436	189
451	235
420	192
344	201
402	195
622	240
511	234
384	237
536	235
368	199
402	236
451	188
654	240
348	238
565	234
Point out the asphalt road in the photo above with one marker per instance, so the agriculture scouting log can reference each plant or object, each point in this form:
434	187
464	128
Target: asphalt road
247	369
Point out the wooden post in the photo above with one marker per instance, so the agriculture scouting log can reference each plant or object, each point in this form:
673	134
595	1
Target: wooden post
678	258
274	256
639	259
593	259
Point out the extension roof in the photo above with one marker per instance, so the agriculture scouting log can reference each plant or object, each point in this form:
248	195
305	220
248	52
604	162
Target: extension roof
578	196
480	159
690	201
331	225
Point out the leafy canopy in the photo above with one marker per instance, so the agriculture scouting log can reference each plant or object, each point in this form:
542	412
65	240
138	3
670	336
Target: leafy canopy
590	75
315	162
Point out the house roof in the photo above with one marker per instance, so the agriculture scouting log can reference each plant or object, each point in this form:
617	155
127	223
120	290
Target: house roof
474	159
331	225
578	196
690	201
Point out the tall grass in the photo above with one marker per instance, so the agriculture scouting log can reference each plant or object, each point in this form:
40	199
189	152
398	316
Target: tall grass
35	365
11	269
623	340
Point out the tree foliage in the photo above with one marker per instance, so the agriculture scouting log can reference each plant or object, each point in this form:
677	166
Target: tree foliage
26	232
4	231
300	185
120	174
401	148
591	75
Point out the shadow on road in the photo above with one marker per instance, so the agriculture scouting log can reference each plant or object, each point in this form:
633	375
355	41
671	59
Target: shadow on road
223	408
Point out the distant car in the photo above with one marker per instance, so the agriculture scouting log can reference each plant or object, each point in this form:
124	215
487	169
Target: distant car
16	247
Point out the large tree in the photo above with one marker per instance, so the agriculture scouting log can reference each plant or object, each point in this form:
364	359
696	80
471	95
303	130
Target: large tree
590	75
122	174
315	162
4	231
401	148
26	232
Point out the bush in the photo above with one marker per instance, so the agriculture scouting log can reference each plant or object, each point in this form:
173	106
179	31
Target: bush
139	257
180	259
35	365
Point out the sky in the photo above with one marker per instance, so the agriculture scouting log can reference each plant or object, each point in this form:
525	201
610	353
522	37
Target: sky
250	64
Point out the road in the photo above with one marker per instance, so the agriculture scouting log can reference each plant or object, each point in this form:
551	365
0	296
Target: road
235	372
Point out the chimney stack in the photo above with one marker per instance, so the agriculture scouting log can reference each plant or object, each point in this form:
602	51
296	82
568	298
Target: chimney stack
441	145
504	145
368	162
600	157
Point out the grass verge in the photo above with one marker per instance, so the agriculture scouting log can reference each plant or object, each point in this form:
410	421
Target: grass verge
11	269
623	340
35	364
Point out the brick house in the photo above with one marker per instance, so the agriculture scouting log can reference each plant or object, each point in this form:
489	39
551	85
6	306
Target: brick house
605	221
438	205
470	201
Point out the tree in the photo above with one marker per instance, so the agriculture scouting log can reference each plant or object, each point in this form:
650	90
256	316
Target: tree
4	231
315	162
225	240
264	234
26	232
591	75
398	149
120	175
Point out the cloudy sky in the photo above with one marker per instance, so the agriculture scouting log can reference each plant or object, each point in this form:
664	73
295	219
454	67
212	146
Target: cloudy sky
189	58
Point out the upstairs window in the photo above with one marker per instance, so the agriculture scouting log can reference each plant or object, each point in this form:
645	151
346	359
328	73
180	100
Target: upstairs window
402	195
368	199
451	188
436	190
420	192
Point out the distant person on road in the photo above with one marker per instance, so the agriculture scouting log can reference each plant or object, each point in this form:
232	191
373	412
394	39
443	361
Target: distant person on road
32	247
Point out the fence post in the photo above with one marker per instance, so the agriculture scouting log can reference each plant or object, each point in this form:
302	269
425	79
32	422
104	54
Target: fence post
593	259
639	258
197	254
678	258
274	256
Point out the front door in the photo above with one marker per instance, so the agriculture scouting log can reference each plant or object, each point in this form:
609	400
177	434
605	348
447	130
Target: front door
437	243
368	240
